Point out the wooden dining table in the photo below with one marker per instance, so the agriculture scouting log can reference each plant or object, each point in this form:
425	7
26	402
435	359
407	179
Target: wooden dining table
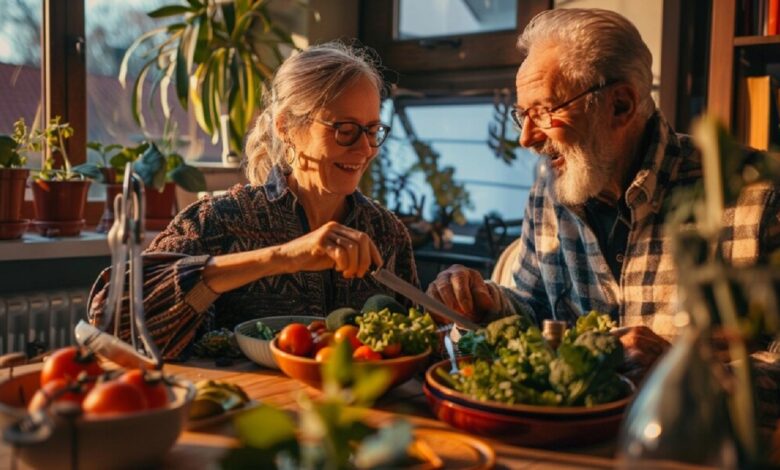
202	448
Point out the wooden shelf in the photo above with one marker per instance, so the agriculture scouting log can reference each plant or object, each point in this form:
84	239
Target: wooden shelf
748	41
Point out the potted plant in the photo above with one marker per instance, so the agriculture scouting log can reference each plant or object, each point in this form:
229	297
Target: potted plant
109	170
13	179
161	173
215	54
59	194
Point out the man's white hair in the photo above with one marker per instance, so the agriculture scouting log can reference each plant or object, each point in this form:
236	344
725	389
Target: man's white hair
594	46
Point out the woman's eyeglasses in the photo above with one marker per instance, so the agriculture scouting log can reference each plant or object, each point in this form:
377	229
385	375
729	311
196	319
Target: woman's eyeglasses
348	132
541	116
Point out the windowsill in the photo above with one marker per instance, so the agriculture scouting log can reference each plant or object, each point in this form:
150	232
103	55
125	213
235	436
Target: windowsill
33	246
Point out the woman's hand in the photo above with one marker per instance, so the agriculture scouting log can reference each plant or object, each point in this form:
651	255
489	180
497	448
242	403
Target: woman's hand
332	246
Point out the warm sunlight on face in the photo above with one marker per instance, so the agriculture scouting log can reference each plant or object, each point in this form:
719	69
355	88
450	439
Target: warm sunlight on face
325	167
577	149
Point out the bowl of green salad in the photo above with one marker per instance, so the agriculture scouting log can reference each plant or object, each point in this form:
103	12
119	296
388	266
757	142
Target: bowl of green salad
512	385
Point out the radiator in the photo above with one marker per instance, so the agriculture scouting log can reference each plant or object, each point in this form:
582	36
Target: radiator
46	318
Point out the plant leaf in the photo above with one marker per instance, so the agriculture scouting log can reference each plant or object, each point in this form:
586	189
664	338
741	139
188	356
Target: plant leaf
151	167
264	427
188	178
89	170
170	10
182	79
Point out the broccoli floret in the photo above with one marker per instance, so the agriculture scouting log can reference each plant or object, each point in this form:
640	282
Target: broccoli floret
593	321
603	346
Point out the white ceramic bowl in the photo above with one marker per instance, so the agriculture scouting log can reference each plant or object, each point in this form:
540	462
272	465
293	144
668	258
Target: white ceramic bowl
135	440
259	350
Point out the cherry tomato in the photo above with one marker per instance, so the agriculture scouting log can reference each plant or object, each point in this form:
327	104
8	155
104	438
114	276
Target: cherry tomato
54	390
348	333
114	397
324	354
322	340
317	326
365	353
295	338
392	350
68	363
154	389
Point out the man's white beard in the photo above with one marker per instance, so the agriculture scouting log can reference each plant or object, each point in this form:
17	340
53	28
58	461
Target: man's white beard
586	172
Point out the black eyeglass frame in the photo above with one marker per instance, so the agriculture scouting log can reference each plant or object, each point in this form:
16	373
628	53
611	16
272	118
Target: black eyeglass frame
335	125
518	117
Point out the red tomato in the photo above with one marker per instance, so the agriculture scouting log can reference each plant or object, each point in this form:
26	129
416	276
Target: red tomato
348	333
392	350
317	326
322	340
68	363
295	338
324	354
154	389
365	353
54	390
114	397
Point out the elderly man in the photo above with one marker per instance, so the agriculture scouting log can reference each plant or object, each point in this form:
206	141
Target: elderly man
592	235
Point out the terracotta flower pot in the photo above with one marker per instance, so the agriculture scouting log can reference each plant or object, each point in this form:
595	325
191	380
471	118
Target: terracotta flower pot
12	184
59	207
160	206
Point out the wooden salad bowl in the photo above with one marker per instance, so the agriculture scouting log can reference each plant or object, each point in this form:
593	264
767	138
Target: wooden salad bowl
307	370
525	425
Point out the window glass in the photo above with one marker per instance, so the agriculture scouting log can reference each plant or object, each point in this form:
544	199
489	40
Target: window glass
20	66
433	18
459	133
111	27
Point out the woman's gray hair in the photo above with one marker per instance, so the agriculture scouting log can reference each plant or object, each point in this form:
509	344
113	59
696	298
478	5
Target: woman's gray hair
595	46
303	84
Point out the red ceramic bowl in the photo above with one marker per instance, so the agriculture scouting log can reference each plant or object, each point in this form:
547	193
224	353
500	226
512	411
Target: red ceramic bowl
307	370
526	425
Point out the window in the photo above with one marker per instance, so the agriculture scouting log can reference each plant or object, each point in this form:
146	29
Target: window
20	66
448	44
459	133
446	18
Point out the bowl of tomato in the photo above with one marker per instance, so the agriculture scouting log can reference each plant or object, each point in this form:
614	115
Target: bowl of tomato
254	336
70	412
307	369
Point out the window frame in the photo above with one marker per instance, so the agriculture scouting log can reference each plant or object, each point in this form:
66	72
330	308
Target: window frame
63	84
445	63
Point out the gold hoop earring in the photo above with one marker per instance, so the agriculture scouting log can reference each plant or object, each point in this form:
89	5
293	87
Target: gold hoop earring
292	155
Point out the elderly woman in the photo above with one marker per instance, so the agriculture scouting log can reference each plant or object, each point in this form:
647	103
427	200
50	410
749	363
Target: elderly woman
300	238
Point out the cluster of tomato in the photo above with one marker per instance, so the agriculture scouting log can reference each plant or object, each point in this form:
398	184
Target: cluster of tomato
317	342
73	375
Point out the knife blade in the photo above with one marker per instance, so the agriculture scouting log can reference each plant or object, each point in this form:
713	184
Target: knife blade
414	294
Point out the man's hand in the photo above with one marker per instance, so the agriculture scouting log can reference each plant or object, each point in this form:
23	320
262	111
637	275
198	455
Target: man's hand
463	290
642	349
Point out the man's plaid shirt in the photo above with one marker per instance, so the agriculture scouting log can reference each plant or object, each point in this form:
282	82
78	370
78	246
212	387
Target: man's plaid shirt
560	271
559	258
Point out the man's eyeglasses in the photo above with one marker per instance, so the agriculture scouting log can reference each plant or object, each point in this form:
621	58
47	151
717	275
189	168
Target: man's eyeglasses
348	132
541	116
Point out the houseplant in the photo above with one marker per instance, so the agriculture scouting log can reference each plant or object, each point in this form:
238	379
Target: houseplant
59	194
161	173
13	179
109	170
215	55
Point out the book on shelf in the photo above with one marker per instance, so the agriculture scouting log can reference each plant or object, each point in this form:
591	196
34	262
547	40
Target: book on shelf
758	17
758	106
